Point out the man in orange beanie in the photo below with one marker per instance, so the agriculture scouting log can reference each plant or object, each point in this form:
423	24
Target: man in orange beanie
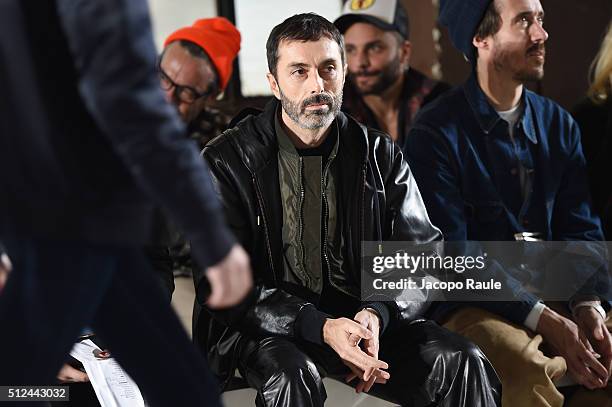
195	67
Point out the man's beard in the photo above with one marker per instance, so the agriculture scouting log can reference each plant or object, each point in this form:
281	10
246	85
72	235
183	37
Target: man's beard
314	119
386	77
518	65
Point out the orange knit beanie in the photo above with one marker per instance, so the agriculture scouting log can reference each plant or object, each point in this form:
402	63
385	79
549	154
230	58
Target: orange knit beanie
218	37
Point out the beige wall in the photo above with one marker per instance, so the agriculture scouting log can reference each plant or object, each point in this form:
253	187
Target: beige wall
575	28
168	15
422	16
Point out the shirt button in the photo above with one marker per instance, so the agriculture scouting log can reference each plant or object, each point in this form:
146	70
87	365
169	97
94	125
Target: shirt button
513	171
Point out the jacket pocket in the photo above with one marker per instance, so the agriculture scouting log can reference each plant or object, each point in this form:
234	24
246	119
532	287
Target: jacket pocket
486	220
483	211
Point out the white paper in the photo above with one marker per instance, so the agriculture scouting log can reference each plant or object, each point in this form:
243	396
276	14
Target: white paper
113	386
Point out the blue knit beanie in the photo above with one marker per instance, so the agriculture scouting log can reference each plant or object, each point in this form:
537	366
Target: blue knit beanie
462	18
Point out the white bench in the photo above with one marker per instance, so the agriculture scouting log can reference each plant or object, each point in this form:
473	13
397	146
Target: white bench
338	395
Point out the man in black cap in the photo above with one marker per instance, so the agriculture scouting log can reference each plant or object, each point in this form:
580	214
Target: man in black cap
494	160
382	90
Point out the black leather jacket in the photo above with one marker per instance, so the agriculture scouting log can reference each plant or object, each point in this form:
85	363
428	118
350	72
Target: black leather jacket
382	202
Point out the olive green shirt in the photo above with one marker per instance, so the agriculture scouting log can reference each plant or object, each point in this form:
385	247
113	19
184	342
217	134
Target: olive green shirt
309	200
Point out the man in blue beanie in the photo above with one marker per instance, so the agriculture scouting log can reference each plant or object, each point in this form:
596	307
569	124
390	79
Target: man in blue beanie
493	160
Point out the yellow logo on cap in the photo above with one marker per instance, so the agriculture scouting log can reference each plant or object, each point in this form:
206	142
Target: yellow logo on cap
361	4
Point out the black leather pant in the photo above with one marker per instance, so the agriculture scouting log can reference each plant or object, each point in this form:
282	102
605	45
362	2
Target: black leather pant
429	366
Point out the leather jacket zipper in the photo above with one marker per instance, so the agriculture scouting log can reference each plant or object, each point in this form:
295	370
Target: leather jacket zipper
301	223
325	220
325	231
362	212
265	225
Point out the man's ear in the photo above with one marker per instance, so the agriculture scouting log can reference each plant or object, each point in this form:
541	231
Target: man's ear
273	85
481	43
405	52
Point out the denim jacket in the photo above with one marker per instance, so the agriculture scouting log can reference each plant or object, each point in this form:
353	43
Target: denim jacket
468	168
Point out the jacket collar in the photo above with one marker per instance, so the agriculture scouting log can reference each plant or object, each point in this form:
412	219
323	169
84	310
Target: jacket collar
257	142
285	143
487	117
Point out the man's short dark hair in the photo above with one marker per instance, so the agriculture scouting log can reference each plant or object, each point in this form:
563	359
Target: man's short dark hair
301	27
197	52
490	24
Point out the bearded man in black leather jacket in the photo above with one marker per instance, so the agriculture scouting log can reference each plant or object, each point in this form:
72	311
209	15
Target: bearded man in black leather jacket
303	185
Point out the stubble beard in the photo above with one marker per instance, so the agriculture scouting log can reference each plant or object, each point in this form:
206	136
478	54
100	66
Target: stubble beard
504	60
315	119
386	77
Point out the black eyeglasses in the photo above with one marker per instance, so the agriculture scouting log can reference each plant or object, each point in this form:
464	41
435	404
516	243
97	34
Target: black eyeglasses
185	94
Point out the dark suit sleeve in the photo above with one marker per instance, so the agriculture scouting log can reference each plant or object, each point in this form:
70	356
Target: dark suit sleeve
114	54
439	182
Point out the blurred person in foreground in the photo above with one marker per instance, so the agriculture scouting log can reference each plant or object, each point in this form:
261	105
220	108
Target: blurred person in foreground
67	374
88	148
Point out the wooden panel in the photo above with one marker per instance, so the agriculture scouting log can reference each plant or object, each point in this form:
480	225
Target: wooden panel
422	16
575	30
